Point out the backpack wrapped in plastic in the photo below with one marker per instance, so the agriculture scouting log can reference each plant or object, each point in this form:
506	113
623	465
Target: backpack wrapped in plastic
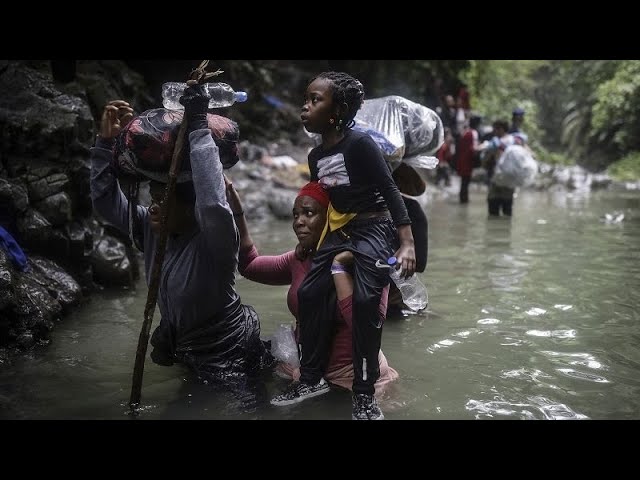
381	119
401	128
144	147
515	167
423	129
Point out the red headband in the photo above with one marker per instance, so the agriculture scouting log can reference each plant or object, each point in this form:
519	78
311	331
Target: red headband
315	191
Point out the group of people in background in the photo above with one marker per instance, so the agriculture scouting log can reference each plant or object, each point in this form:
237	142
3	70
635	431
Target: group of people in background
465	148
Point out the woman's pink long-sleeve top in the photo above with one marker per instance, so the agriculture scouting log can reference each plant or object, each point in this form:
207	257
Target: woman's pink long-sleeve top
286	269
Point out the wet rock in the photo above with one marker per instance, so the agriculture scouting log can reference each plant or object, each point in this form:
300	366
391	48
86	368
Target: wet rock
34	229
280	202
42	188
56	209
59	284
13	197
25	340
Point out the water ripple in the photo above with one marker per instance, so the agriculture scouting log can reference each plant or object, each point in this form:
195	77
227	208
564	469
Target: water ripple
560	306
577	358
488	321
529	408
525	373
570	372
552	333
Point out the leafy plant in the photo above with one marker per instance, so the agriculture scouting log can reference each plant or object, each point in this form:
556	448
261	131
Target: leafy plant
627	168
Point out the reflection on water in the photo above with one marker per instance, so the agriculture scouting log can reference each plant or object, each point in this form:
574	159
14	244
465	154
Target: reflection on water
534	317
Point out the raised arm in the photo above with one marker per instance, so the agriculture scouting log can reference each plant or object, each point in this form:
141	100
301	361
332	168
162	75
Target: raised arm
270	270
246	242
212	210
107	198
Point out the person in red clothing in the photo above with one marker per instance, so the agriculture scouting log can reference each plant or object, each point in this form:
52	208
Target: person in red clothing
463	97
468	148
445	156
290	268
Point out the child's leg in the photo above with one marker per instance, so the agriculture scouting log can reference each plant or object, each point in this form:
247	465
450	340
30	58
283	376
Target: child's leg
367	324
316	310
371	243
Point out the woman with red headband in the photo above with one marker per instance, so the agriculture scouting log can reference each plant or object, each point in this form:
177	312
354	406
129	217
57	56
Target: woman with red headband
290	268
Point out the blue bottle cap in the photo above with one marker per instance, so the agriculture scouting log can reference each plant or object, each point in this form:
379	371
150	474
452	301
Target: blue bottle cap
241	96
392	260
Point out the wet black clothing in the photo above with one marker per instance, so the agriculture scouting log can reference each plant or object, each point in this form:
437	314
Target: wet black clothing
357	177
500	198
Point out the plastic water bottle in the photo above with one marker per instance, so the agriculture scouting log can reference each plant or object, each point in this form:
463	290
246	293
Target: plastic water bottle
414	293
222	95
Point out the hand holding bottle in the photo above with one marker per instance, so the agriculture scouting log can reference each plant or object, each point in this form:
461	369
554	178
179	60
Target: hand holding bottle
406	254
221	95
195	100
414	293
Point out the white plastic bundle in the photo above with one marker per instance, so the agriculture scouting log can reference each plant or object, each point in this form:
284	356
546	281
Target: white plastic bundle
400	127
515	167
381	119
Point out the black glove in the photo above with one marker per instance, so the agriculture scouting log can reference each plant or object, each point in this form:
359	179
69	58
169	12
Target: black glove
196	102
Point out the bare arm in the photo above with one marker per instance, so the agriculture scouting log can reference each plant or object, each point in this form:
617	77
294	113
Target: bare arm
342	277
246	242
406	254
269	270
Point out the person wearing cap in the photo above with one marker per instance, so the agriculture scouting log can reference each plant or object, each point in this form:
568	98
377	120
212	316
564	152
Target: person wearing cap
290	268
517	118
203	323
499	198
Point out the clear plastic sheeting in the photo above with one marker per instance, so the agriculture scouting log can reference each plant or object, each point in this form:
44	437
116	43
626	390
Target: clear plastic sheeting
283	345
515	167
421	161
423	130
381	119
401	128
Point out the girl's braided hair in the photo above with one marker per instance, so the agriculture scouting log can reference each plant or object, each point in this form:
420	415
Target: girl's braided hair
345	89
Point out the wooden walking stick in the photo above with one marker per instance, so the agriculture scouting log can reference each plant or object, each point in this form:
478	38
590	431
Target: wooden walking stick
198	75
